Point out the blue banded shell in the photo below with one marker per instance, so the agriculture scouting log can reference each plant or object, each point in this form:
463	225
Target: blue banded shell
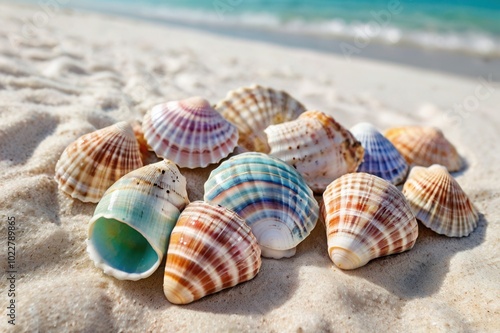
129	232
270	195
381	158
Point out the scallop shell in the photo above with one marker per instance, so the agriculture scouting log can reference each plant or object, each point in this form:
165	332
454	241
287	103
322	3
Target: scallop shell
438	201
211	248
317	146
129	232
366	217
91	164
189	132
381	158
147	155
270	195
254	108
424	146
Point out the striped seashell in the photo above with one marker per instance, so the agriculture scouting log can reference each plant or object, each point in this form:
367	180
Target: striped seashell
317	146
211	248
366	217
252	109
147	155
91	164
130	229
270	195
438	201
424	146
189	132
381	158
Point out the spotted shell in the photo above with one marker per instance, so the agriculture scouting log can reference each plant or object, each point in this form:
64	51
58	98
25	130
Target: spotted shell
366	217
189	132
91	164
438	201
130	229
211	248
270	195
254	108
381	158
317	146
424	146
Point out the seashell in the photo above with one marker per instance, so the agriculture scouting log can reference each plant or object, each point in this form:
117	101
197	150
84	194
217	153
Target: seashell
317	146
270	195
91	164
438	201
211	248
253	109
366	217
424	146
129	232
381	158
189	132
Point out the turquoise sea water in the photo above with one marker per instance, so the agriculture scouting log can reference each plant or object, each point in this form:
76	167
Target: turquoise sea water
466	26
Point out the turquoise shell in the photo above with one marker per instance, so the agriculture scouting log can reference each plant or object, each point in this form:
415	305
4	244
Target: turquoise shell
381	158
270	195
129	232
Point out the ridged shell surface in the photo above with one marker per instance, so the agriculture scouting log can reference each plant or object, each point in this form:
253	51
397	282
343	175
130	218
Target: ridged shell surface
316	146
91	164
130	229
211	248
424	146
253	109
270	195
381	158
189	132
439	202
366	217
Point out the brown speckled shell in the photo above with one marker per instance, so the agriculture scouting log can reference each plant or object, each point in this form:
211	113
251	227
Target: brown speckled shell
317	146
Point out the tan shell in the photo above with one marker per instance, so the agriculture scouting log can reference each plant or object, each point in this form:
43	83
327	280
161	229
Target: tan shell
211	248
91	164
317	146
424	146
366	217
438	201
254	108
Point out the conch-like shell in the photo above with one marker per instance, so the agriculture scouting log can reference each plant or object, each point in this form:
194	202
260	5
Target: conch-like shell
91	164
424	146
438	201
270	195
211	248
317	146
130	229
189	132
381	158
366	217
254	108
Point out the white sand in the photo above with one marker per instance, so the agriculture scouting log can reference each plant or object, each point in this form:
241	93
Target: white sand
85	71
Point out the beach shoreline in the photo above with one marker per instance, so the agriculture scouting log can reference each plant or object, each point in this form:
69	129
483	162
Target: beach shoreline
83	71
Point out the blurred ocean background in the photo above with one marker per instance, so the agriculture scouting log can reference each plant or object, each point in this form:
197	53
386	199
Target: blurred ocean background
463	26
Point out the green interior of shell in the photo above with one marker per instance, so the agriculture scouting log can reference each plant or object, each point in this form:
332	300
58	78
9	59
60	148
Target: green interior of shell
122	247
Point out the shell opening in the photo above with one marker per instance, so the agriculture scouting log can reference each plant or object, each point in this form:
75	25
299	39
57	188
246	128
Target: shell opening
122	248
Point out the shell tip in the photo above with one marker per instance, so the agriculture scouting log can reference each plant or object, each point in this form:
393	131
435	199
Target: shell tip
345	259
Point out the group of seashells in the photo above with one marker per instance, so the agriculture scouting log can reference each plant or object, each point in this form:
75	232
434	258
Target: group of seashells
261	201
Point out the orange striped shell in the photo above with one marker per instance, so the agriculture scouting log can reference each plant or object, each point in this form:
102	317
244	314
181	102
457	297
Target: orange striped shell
438	201
211	248
91	164
424	146
366	217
